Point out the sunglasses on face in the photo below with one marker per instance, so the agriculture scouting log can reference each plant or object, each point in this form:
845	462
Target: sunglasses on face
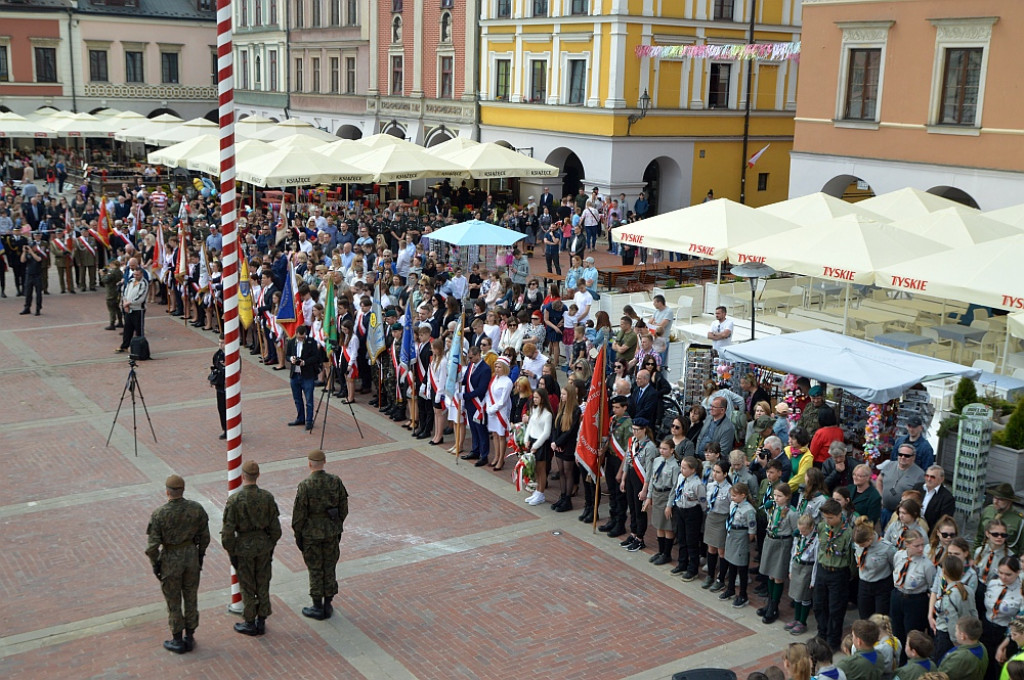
997	534
905	455
947	535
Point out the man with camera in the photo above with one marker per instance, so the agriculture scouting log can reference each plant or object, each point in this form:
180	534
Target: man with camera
33	259
303	359
133	301
217	381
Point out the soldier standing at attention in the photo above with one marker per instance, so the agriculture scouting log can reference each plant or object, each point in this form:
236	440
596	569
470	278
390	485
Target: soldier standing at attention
249	533
318	518
111	279
179	533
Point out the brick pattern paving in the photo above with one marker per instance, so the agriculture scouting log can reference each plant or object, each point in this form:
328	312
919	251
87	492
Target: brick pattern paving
220	653
27	398
541	606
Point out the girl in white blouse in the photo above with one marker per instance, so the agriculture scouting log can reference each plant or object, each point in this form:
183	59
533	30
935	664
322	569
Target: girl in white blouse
538	435
437	376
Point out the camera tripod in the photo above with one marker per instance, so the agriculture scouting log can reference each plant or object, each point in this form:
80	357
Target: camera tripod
328	389
132	385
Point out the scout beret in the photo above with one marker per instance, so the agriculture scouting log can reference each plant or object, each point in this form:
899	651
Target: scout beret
317	456
619	400
640	422
816	391
390	313
251	468
175	482
396	326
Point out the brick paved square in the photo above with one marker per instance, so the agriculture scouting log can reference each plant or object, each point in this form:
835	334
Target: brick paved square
290	649
541	606
389	511
9	358
74	563
27	398
57	309
47	462
93	342
188	436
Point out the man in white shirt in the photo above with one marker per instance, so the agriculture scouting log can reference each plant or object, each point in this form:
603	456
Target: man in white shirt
721	330
133	299
304	244
661	324
583	301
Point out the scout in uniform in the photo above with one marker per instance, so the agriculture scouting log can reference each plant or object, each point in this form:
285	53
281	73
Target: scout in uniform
1002	508
620	430
740	536
832	576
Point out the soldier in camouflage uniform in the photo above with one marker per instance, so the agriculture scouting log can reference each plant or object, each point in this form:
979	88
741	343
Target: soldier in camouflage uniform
179	533
249	533
318	518
111	280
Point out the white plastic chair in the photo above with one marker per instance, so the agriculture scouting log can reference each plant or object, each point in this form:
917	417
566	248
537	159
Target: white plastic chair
684	305
1018	373
988	366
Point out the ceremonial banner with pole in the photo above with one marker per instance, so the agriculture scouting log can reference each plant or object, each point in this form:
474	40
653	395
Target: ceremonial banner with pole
593	425
232	359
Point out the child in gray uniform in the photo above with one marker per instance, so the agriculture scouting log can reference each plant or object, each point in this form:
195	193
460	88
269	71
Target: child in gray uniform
801	568
740	536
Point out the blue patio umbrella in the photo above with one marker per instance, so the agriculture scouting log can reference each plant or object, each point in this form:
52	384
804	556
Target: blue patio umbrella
476	233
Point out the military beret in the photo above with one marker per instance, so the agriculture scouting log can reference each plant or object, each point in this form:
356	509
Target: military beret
251	468
175	482
619	400
396	326
816	391
317	456
640	422
388	313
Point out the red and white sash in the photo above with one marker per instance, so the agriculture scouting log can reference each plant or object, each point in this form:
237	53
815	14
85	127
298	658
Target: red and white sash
497	414
637	467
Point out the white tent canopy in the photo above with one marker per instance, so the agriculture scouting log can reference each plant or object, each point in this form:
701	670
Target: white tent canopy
1013	214
957	227
176	155
908	202
493	161
13	125
875	373
292	126
148	128
187	130
817	208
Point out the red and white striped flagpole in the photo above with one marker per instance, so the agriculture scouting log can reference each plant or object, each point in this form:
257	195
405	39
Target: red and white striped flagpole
232	359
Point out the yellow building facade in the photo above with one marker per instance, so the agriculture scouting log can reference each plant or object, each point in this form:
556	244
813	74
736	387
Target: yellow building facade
562	80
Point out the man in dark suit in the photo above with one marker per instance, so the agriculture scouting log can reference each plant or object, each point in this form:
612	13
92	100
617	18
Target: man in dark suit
34	212
578	242
643	402
303	358
547	200
478	377
938	500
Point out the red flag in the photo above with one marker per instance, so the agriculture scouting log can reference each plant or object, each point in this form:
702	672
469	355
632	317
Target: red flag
181	266
289	312
102	233
756	156
159	254
594	422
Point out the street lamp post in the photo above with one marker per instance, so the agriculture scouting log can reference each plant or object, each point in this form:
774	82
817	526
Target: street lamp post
645	104
752	271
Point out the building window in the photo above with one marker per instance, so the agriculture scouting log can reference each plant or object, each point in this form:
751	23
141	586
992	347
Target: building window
335	12
272	69
862	84
396	30
243	13
257	71
502	78
350	75
317	14
46	64
447	4
205	5
718	86
298	75
396	5
961	80
98	72
762	181
724	10
316	74
169	68
397	68
273	12
540	8
578	7
446	27
214	67
504	9
243	68
335	75
300	13
447	80
5	65
133	67
577	81
352	13
538	81
257	15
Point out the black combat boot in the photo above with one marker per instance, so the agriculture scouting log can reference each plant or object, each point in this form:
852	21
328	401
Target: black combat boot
316	611
246	628
190	639
177	645
261	625
328	607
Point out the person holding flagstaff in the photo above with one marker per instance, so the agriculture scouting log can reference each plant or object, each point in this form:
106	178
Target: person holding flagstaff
614	453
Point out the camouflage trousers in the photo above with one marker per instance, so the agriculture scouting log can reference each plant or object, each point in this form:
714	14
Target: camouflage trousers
254	572
321	558
180	585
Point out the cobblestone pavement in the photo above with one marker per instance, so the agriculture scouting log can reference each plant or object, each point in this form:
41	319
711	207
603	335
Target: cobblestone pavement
445	573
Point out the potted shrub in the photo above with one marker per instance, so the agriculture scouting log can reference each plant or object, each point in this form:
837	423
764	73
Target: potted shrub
966	393
1006	456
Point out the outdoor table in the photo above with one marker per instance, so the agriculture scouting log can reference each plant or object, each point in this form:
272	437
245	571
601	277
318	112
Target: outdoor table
902	340
960	334
1004	386
869	315
826	288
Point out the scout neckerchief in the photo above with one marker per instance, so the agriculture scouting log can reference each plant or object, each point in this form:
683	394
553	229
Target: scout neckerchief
733	507
830	539
679	489
767	501
902	538
802	546
773	526
714	497
903	573
999	601
938	553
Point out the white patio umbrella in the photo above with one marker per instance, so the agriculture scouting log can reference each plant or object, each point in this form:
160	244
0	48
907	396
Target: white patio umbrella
177	155
493	161
708	230
297	142
14	126
209	162
45	112
108	112
848	249
452	146
148	128
1013	215
79	125
247	128
187	130
383	140
126	119
288	167
957	227
817	208
402	162
340	149
292	126
906	203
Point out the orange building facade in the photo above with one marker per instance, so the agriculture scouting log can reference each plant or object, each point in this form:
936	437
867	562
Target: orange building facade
911	93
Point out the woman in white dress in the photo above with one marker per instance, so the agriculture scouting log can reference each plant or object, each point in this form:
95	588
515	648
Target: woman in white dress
498	404
437	375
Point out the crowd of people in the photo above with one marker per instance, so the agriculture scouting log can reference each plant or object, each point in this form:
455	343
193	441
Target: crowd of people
736	488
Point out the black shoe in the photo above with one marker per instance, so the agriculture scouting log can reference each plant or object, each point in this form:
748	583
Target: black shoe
727	594
761	611
315	612
37	312
718	586
660	560
654	557
24	311
689	576
678	569
120	325
261	625
177	645
480	463
637	546
328	608
740	601
566	506
297	422
246	628
109	328
629	541
606	527
189	640
223	435
309	426
772	615
708	582
588	516
469	456
616	531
